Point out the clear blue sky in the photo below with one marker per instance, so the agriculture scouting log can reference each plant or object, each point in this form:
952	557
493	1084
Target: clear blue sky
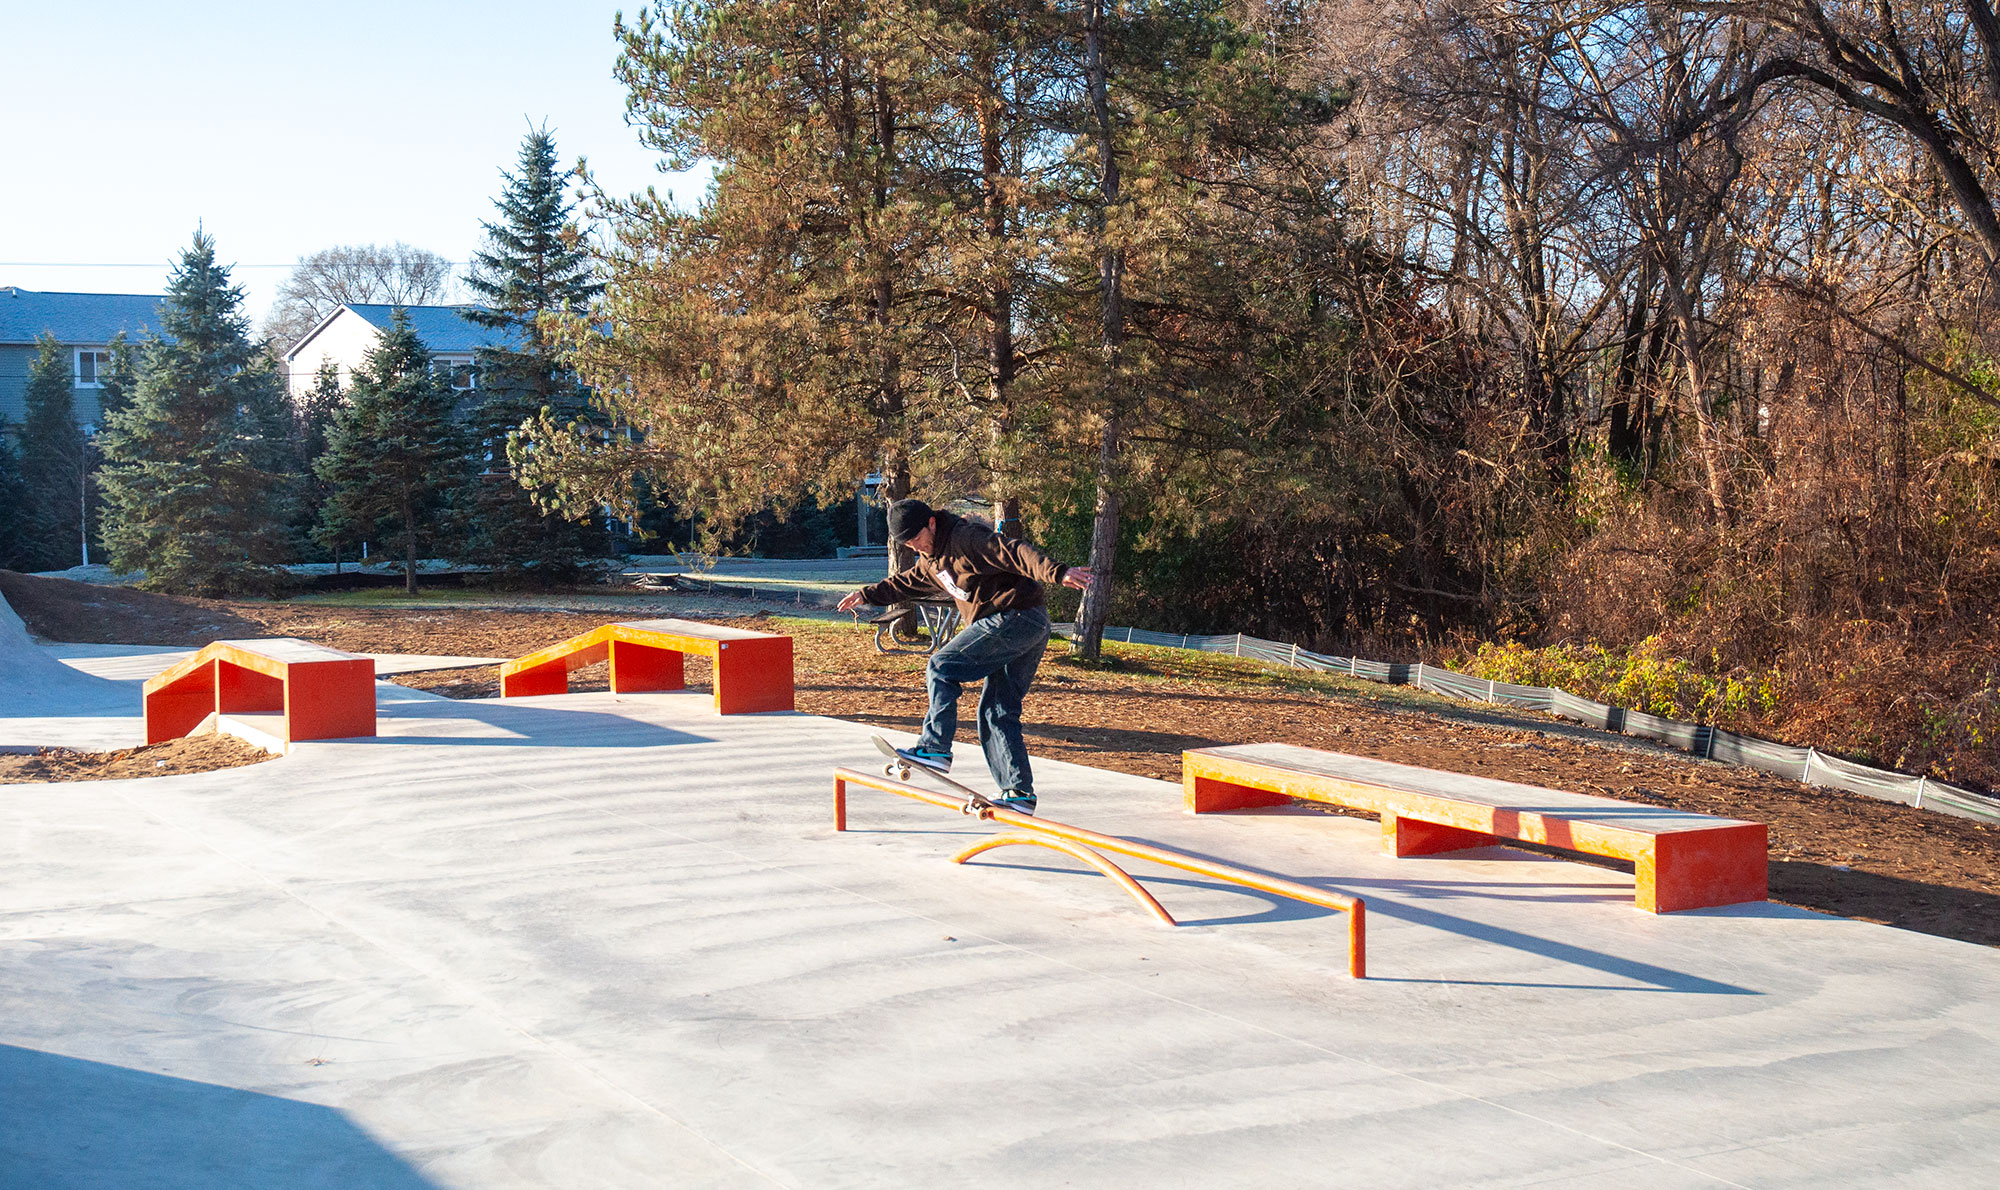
285	128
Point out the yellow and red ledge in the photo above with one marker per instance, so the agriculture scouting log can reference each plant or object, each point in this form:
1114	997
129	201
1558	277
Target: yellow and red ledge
753	670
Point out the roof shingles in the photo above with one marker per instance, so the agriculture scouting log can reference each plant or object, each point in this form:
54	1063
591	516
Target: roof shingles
444	330
75	318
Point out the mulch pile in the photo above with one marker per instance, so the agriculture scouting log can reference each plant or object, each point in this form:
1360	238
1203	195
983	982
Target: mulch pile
194	754
1834	852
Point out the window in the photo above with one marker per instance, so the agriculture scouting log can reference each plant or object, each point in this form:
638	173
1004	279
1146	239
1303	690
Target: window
464	375
91	367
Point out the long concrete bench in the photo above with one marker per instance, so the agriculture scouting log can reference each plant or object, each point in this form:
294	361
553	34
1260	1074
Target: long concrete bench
284	690
753	670
1682	860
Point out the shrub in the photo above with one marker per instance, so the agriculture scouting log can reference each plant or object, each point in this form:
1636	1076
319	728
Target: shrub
1644	678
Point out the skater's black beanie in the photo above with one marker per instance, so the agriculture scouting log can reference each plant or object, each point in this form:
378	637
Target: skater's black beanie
907	518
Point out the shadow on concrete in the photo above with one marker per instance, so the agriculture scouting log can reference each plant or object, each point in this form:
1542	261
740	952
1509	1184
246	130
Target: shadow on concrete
1645	977
525	726
45	702
66	1122
1661	978
1279	908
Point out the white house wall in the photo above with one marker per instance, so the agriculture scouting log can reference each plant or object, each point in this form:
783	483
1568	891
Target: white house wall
346	339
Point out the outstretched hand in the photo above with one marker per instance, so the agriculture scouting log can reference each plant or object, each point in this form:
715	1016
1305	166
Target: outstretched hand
1078	577
851	601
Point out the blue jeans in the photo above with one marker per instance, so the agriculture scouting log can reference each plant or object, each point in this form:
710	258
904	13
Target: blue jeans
1004	649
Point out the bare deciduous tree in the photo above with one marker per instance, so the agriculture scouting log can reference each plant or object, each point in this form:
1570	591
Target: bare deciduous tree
1929	68
396	274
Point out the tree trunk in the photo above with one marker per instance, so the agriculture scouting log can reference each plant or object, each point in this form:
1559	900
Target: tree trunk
409	550
1111	289
1096	607
1695	386
1626	408
1007	516
889	394
896	482
1001	362
1523	171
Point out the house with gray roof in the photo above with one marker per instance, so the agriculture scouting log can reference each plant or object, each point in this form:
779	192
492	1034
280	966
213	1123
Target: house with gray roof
84	323
346	336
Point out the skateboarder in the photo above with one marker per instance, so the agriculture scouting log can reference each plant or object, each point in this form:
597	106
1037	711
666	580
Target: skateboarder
997	585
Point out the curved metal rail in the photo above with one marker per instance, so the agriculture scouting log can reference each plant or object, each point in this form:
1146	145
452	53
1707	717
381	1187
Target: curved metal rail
1355	909
1074	851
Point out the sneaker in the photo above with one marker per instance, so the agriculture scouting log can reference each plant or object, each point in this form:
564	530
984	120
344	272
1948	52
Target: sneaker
937	762
1018	802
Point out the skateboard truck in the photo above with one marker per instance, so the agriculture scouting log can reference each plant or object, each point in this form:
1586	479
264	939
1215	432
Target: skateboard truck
900	768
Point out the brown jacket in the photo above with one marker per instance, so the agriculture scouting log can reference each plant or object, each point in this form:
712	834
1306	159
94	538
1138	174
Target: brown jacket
990	573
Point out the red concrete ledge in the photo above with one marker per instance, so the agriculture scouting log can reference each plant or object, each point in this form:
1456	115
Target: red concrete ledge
1682	860
321	693
753	670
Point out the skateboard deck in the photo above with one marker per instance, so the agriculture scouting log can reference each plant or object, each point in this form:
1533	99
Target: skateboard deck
900	768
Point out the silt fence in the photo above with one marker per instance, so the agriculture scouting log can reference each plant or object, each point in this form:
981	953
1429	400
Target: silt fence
1707	741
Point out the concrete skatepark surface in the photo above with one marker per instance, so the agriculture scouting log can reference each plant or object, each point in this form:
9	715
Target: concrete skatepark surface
603	940
89	696
35	683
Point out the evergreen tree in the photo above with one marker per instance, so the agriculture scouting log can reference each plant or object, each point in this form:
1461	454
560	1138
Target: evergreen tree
315	412
197	479
535	262
52	463
535	265
13	510
396	460
116	378
972	244
313	415
792	334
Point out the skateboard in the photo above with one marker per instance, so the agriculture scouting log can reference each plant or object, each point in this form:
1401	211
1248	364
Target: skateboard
900	767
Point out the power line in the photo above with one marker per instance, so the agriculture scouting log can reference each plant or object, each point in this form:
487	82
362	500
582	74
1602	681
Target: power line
149	264
111	264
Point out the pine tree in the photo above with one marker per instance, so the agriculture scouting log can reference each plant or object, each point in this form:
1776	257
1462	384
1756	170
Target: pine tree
535	265
315	412
313	415
116	378
790	336
535	262
52	463
13	510
396	461
1028	248
197	479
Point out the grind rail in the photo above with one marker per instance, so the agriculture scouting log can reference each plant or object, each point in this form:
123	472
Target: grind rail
1084	843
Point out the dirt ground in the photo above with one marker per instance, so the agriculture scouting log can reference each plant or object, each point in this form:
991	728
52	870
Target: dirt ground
1830	851
195	754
